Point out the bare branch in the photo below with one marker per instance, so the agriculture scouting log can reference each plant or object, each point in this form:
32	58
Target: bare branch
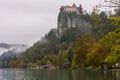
113	2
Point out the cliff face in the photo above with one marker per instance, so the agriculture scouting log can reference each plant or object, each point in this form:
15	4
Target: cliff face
68	19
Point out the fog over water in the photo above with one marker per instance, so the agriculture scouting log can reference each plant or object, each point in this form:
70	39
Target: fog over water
26	21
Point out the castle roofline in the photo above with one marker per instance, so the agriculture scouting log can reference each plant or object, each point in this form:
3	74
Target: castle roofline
68	6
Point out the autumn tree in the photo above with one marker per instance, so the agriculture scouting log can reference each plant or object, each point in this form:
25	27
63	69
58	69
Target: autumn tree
107	48
80	51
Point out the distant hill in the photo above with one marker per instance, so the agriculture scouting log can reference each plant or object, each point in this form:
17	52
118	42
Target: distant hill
5	45
10	52
5	48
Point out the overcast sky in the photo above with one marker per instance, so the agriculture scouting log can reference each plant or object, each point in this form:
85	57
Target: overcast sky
26	21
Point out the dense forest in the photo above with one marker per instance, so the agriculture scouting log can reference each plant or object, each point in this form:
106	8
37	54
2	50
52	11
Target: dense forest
90	40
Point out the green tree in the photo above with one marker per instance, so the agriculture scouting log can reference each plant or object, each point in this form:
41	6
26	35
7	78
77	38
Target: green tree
38	63
62	60
114	57
107	49
80	9
70	56
94	58
98	52
80	51
29	64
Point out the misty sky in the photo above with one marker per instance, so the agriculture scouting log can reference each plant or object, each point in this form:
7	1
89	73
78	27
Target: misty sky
26	21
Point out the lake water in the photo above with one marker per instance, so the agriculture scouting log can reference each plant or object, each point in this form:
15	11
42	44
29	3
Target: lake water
28	74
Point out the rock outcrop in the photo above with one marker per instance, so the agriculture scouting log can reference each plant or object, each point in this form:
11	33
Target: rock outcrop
71	16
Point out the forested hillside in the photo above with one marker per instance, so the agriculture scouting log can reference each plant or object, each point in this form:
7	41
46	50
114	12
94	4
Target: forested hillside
81	39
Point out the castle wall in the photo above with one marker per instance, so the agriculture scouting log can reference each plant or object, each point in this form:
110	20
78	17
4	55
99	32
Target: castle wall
70	9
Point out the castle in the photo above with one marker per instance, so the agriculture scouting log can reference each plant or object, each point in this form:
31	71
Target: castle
69	8
70	17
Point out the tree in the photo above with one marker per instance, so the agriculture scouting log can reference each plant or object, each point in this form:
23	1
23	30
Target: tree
70	56
94	56
107	49
63	58
38	63
29	64
80	9
99	51
102	25
80	51
103	15
114	57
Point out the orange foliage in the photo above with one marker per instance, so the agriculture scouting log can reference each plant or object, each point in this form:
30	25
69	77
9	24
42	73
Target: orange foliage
17	64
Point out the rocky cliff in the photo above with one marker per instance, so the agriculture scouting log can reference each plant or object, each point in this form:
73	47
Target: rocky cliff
70	17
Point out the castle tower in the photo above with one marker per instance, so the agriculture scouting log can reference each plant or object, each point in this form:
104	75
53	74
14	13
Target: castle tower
74	5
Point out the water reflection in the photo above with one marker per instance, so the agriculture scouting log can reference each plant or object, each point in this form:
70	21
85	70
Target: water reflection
94	75
11	74
28	74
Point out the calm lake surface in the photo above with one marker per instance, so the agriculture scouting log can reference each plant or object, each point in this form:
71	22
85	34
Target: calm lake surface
28	74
